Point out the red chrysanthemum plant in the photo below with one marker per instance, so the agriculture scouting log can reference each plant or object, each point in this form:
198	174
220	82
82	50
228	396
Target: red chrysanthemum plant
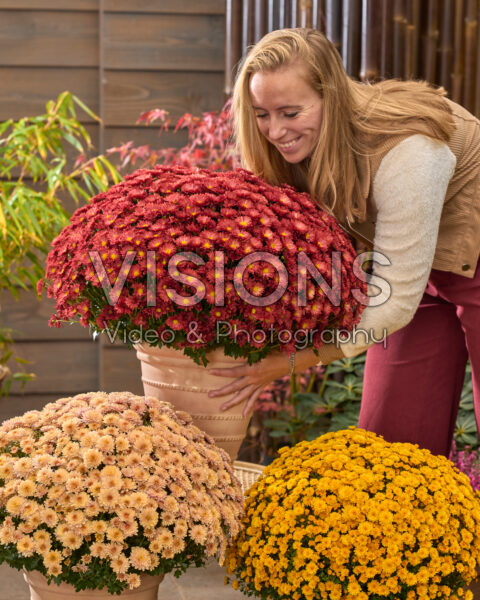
196	259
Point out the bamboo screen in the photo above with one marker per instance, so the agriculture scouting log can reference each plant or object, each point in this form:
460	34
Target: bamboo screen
434	40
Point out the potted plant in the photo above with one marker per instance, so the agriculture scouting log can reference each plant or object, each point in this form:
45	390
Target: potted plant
216	266
105	491
35	174
349	515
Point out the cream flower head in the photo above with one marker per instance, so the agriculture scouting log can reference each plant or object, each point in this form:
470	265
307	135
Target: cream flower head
96	484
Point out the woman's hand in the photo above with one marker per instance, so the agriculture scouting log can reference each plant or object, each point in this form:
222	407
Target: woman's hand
252	379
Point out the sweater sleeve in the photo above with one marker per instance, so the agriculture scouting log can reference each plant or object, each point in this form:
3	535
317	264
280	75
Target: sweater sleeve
409	191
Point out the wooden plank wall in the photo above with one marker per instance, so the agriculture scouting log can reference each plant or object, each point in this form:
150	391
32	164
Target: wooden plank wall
432	40
121	58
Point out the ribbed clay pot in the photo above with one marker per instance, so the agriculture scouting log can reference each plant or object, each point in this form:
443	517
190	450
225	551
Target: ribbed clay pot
171	376
40	590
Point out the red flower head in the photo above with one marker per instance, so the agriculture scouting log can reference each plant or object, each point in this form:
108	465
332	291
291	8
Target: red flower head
172	246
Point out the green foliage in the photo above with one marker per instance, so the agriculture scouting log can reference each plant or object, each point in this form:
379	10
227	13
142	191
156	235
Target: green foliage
466	427
99	575
34	171
7	353
333	403
343	391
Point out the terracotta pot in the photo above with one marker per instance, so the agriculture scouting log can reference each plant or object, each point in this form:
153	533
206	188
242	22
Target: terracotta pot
171	376
40	590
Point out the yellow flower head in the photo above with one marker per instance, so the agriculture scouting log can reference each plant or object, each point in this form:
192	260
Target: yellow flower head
350	515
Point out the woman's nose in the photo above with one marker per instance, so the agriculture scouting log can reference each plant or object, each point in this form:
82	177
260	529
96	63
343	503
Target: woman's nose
276	129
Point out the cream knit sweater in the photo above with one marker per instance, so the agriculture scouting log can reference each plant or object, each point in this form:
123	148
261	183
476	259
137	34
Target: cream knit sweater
408	190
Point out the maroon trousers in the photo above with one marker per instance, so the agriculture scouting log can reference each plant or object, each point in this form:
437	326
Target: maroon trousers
412	387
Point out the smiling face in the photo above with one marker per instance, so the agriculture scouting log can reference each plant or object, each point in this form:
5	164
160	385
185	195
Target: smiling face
288	110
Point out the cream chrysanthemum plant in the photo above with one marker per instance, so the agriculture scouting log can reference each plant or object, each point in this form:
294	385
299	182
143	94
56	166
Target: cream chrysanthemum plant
100	488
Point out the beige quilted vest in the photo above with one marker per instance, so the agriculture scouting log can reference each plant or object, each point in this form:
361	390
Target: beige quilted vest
458	244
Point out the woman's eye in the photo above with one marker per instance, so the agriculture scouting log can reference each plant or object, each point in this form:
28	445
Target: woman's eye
261	116
291	115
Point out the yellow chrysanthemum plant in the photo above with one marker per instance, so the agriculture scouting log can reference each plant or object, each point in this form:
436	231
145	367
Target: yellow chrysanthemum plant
98	489
351	516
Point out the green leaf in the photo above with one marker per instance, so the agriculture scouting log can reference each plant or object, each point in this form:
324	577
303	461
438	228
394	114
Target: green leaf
3	223
277	433
466	402
22	361
74	190
98	175
466	423
304	409
115	175
33	220
5	387
89	112
74	142
336	384
11	212
469	439
306	397
274	423
314	432
88	183
344	420
40	143
5	125
23	376
4	359
19	282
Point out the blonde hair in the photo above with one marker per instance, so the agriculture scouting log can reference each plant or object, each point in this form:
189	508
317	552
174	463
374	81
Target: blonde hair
357	118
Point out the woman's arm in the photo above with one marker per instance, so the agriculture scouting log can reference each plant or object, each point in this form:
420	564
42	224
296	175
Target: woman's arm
409	190
251	379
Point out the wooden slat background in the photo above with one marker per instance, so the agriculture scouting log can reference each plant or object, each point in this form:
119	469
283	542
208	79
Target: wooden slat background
62	367
190	7
121	58
45	5
433	40
177	92
163	42
44	39
25	90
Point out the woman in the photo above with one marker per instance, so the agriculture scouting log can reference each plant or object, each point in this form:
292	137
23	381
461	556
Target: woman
404	160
